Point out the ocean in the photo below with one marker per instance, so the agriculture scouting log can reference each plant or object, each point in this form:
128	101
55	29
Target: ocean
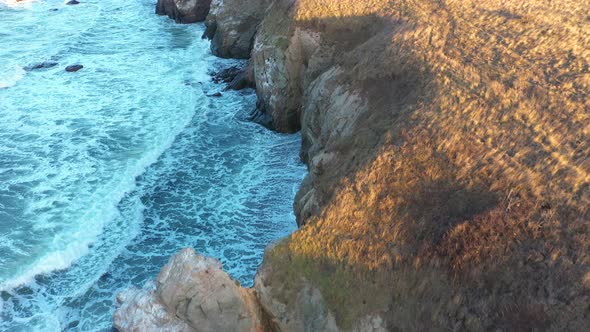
107	171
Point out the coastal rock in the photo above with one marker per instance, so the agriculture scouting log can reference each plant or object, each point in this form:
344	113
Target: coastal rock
283	56
73	68
244	79
232	24
41	65
261	118
306	311
226	75
191	293
141	310
184	11
236	77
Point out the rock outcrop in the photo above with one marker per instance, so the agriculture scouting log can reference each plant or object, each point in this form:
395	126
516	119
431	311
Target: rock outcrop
232	24
191	293
184	11
305	310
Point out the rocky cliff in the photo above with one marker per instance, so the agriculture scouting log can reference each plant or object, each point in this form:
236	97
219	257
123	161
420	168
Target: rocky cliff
184	11
232	24
449	165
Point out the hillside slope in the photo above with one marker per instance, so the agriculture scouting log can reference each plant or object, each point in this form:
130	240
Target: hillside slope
448	147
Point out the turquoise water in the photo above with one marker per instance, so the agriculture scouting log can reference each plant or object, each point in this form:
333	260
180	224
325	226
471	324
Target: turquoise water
106	172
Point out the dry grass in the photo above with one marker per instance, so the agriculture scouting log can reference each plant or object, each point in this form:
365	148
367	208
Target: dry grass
472	188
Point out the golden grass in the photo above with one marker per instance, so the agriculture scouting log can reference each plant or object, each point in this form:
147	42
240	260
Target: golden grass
471	209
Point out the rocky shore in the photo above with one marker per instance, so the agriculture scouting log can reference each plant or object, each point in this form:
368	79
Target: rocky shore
448	184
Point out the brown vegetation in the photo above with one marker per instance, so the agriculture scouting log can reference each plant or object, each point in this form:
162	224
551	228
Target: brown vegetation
461	201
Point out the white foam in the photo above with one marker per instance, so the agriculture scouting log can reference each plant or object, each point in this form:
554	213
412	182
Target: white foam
86	137
10	75
20	4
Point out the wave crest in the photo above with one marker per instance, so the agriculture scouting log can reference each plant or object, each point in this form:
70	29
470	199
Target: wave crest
10	76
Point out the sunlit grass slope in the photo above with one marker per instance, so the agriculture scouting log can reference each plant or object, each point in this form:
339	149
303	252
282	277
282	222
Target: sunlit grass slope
462	201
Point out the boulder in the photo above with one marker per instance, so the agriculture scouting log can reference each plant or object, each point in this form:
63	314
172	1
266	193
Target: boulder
184	11
73	68
191	293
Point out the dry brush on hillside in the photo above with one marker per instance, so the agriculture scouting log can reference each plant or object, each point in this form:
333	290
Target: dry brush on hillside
449	152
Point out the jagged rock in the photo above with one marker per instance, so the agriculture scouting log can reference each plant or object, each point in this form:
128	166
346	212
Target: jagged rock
244	79
306	312
73	68
226	75
236	77
141	310
191	293
184	11
283	57
232	24
262	118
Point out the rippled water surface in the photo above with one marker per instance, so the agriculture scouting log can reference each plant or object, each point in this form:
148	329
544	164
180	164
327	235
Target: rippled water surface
106	172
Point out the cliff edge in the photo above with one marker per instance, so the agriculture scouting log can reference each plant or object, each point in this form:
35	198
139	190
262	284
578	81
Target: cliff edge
449	162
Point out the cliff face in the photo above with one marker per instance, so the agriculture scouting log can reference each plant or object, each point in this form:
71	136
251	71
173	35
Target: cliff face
231	26
184	11
448	187
449	165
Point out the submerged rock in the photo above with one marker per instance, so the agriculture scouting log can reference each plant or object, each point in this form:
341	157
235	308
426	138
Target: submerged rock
73	2
73	68
262	118
244	79
191	293
41	65
236	77
226	75
184	11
